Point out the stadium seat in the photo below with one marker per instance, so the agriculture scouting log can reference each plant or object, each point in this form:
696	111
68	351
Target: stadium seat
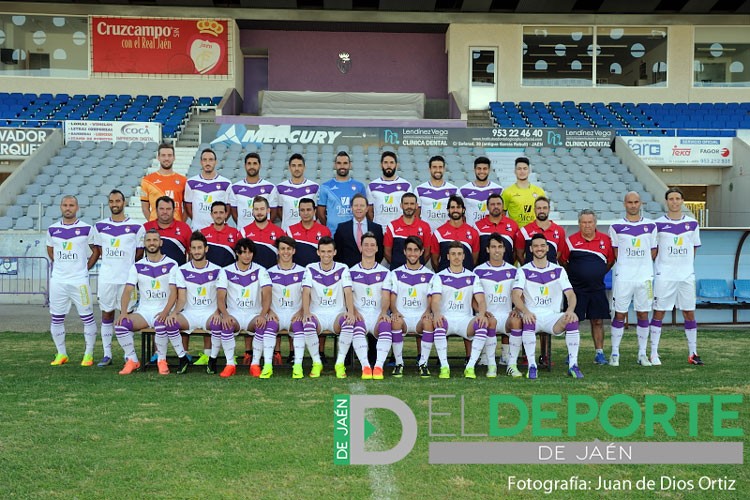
714	291
742	290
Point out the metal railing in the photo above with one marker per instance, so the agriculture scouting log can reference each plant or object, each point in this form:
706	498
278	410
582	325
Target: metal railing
25	276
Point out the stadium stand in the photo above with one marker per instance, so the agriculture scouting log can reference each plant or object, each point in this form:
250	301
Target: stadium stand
46	110
655	119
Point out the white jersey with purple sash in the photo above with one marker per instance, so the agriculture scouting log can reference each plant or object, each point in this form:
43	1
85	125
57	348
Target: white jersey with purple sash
200	285
543	288
327	288
153	280
244	288
677	241
634	242
242	195
119	242
475	199
497	283
70	246
433	202
201	193
367	287
289	195
412	290
286	289
385	198
457	290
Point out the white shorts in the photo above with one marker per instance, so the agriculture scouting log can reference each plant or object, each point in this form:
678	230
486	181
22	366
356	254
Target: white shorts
641	293
545	322
457	325
62	295
243	318
668	294
411	322
196	319
502	320
110	295
371	322
148	315
285	320
327	320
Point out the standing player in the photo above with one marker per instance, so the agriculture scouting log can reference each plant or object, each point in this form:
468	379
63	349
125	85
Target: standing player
293	190
497	278
433	195
400	229
244	300
221	236
335	196
384	194
175	234
163	182
371	303
244	192
552	232
590	258
308	233
519	197
537	294
196	305
475	193
327	302
155	277
263	232
120	243
202	190
678	238
453	290
455	230
496	222
68	244
634	247
286	306
410	303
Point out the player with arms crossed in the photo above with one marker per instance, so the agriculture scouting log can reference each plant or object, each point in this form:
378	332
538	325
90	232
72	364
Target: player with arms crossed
327	301
371	302
678	238
155	276
452	293
244	299
537	294
120	242
634	246
196	305
497	278
410	303
68	244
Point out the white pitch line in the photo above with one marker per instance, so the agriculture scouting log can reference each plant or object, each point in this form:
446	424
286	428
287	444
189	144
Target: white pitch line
382	480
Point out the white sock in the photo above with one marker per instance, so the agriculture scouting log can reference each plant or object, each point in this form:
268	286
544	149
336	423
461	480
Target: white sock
208	352
691	333
490	349
529	346
108	330
572	340
383	346
514	347
441	346
128	346
299	347
477	344
655	332
618	330
359	343
642	333
58	337
215	344
269	343
257	350
398	346
345	342
229	344
161	346
426	347
313	346
89	333
176	341
504	351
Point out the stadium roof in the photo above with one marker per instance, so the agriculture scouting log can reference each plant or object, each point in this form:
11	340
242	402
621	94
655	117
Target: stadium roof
648	7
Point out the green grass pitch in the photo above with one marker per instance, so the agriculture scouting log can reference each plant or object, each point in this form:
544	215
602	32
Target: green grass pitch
88	433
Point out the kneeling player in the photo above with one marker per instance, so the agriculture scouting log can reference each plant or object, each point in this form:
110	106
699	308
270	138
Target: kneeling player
327	302
244	299
155	276
537	294
410	303
371	303
497	277
196	298
453	290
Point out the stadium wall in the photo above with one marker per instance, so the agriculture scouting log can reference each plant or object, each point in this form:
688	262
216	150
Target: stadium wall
508	38
381	62
733	191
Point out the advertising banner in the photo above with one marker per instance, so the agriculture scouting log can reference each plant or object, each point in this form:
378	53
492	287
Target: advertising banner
157	46
82	130
21	142
696	151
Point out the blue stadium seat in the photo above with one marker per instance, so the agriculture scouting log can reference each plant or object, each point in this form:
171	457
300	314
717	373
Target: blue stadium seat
742	290
714	291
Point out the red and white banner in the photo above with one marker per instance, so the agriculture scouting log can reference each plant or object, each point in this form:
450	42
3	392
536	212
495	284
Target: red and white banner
157	46
83	130
706	151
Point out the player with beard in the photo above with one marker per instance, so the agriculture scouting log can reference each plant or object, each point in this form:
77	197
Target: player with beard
293	190
400	229
263	232
433	194
202	190
244	192
384	194
335	195
163	182
496	222
553	233
455	230
475	193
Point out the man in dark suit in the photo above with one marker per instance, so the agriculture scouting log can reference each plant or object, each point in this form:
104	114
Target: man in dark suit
348	234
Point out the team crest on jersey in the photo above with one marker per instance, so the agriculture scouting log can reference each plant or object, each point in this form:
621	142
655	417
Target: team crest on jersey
377	277
687	226
127	229
552	275
507	228
78	232
468	281
114	242
155	285
202	291
337	276
249	203
163	269
286	293
210	276
208	198
544	290
422	278
368	291
458	296
678	241
328	292
498	288
177	230
411	291
507	274
67	245
601	245
437	205
468	235
388	200
635	242
420	233
245	293
273	235
483	206
318	236
295	278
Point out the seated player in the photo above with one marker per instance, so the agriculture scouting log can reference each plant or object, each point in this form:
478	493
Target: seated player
537	294
244	299
196	297
286	307
497	277
155	276
410	303
371	303
452	292
327	302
